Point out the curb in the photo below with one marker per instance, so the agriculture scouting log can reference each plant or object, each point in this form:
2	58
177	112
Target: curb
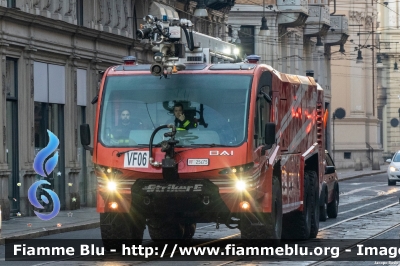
52	231
362	175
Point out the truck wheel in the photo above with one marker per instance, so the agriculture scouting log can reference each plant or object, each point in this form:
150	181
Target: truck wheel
190	229
166	231
272	223
297	224
322	209
333	206
313	177
120	228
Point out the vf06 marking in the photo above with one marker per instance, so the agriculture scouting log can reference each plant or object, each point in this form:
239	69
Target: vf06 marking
137	159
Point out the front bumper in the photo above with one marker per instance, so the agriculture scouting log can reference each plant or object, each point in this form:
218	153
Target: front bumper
394	176
186	197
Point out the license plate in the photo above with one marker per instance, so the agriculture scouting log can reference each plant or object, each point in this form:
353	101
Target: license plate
137	159
197	162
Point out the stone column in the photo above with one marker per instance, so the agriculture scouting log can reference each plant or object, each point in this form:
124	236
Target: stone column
28	178
4	168
27	175
72	197
4	201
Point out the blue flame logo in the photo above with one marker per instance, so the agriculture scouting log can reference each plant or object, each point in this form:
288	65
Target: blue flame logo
38	164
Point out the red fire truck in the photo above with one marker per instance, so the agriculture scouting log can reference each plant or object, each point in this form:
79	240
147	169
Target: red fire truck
253	159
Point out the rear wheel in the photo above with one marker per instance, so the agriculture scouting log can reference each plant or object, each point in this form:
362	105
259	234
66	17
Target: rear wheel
120	228
313	177
271	227
333	206
297	225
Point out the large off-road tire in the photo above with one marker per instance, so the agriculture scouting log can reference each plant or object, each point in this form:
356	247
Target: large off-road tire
297	224
190	230
271	227
313	177
333	206
120	228
322	208
166	231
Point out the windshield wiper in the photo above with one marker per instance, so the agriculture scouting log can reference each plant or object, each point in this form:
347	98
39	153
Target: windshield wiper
144	145
210	145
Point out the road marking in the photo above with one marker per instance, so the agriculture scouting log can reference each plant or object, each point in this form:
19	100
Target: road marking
359	189
358	216
359	207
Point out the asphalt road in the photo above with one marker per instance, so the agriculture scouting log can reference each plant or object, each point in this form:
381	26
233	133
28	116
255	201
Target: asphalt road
367	209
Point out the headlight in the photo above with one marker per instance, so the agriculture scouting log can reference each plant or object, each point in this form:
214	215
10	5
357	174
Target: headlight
112	186
393	169
240	185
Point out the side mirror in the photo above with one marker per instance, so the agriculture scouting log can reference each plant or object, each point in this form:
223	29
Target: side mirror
85	137
329	169
269	133
389	160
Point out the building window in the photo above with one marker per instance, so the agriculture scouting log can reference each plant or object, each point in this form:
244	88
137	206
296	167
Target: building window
10	3
246	36
11	84
135	23
347	155
79	12
49	97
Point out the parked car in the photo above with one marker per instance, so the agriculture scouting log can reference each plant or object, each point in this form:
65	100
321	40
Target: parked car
393	170
329	200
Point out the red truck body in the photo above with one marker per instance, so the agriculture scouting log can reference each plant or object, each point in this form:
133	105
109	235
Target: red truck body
255	95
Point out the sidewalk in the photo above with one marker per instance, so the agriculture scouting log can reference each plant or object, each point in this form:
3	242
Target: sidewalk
87	218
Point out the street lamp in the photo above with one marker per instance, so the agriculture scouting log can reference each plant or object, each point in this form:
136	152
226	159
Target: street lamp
264	31
396	69
379	63
201	10
359	57
320	45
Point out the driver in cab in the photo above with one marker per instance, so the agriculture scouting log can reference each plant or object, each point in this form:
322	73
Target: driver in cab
181	122
121	132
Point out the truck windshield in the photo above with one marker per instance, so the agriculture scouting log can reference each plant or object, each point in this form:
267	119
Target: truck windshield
215	105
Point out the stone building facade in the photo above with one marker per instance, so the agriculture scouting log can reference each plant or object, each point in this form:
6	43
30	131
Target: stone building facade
52	55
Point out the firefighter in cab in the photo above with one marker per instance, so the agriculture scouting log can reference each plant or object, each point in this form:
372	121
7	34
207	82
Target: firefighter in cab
181	122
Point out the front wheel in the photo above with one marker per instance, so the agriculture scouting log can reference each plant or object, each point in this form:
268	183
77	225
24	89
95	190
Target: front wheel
190	229
333	206
166	231
120	228
322	209
271	223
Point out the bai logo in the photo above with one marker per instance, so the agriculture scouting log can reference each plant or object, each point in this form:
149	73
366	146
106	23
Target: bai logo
49	166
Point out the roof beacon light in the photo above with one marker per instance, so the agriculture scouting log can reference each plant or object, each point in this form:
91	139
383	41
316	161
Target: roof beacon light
129	60
253	59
